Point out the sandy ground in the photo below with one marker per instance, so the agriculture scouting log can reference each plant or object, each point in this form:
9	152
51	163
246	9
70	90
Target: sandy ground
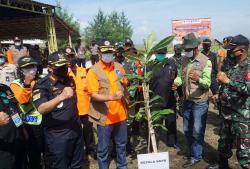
176	161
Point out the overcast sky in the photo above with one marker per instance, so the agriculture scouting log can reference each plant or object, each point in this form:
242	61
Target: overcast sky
229	17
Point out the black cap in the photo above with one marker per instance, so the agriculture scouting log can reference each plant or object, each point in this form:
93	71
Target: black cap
132	50
25	61
56	60
206	41
69	51
106	46
128	41
17	39
235	41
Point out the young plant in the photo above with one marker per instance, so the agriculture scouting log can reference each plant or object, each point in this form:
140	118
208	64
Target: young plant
144	58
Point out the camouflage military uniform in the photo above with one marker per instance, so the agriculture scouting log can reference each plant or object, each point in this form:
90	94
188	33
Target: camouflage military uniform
235	108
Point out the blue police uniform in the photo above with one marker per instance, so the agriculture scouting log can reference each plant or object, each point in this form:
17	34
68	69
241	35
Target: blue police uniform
62	129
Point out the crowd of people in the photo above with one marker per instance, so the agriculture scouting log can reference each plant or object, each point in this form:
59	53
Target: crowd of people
47	120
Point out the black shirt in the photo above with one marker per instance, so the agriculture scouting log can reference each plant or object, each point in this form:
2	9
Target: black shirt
63	121
162	81
8	132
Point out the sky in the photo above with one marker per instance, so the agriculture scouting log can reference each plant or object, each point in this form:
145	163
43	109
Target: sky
229	17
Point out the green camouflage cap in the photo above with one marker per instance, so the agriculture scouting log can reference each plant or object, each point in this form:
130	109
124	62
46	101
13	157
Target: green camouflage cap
178	47
190	41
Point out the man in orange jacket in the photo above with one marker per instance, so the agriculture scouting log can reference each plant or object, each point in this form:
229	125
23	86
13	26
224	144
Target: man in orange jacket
106	85
78	74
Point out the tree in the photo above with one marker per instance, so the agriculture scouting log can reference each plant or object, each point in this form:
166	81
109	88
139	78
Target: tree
116	27
70	20
143	57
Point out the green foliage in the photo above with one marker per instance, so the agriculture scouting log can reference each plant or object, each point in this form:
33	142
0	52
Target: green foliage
144	57
114	26
69	19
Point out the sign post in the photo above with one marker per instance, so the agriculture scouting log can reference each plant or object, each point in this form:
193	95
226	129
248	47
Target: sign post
153	161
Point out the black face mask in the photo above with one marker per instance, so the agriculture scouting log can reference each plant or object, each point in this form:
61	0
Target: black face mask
61	72
206	48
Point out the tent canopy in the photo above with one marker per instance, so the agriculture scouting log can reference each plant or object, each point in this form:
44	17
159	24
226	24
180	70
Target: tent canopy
26	19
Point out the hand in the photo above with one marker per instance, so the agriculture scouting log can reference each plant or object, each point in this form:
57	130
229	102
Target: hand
222	77
117	96
194	76
174	87
4	119
214	98
28	79
66	93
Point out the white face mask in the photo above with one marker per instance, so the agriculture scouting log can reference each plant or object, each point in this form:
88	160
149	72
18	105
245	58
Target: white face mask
17	43
30	71
107	57
189	54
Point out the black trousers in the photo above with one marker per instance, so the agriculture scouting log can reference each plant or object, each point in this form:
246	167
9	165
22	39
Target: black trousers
170	124
7	155
88	135
81	62
34	146
62	152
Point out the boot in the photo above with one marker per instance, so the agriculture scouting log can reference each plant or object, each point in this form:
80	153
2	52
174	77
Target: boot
223	164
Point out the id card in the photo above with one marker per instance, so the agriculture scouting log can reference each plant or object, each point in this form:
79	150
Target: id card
16	119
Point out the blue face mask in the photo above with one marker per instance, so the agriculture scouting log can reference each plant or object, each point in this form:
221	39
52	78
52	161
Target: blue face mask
2	61
160	57
107	57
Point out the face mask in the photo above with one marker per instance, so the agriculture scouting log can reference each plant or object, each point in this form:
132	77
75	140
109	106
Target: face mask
107	57
160	57
30	71
17	43
61	72
189	54
2	61
206	47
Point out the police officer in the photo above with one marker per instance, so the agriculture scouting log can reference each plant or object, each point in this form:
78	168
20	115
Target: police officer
22	89
8	71
161	85
236	92
177	54
55	98
78	74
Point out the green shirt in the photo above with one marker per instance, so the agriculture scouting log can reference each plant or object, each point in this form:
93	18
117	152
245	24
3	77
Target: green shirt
205	79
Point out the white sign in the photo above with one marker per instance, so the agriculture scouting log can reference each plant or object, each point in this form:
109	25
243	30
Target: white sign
153	161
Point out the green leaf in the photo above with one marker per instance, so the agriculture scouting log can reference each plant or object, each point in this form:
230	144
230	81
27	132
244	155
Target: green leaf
135	103
132	56
158	115
139	115
149	42
156	98
160	126
133	77
162	44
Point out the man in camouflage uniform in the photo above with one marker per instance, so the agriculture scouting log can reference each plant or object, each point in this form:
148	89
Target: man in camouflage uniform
235	106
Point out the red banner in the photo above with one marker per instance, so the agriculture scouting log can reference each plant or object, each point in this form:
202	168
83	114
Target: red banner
200	26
